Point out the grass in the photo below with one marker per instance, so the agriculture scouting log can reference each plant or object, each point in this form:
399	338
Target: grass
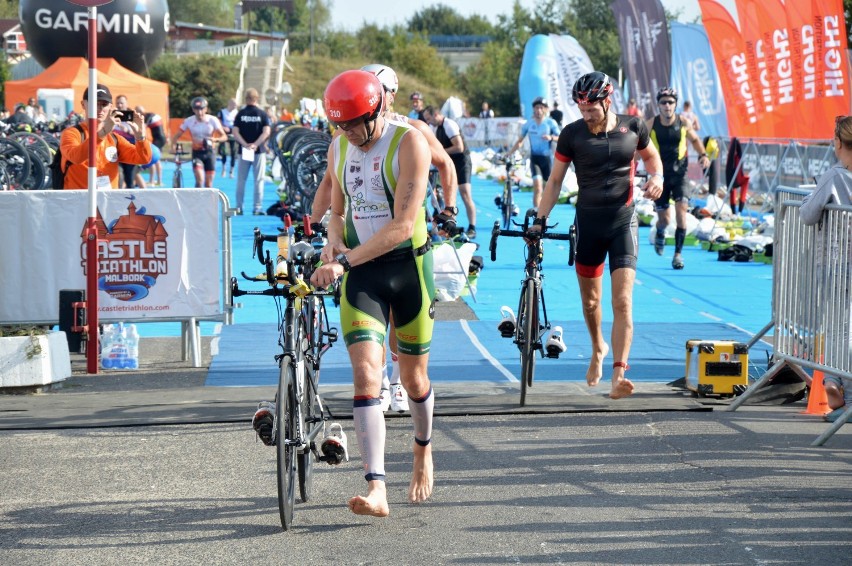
310	76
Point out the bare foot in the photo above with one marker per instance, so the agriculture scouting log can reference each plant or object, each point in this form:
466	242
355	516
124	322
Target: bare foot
595	371
422	479
375	504
621	388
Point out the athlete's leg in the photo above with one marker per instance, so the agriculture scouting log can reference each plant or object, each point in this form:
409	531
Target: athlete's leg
198	170
415	379
590	296
369	421
537	188
469	206
622	328
681	210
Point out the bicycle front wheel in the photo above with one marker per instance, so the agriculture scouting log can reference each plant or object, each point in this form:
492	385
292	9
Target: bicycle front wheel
311	418
285	421
528	335
507	205
177	180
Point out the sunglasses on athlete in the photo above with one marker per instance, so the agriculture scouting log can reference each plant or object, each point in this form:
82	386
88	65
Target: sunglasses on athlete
666	102
346	126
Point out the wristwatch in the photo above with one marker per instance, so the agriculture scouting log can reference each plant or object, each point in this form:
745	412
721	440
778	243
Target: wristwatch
344	261
454	210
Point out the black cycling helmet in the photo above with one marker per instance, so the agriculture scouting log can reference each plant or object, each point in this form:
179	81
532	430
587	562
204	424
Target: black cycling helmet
540	101
199	102
667	91
592	87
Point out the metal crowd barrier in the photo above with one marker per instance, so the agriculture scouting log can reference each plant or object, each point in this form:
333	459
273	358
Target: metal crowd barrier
810	295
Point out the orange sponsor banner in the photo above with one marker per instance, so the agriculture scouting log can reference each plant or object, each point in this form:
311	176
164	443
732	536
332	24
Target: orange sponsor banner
831	68
768	48
729	52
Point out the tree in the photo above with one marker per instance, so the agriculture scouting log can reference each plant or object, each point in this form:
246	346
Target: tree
443	20
208	76
208	12
494	78
592	23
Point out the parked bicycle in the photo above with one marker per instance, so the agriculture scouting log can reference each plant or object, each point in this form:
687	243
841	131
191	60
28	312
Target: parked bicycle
531	323
304	336
506	201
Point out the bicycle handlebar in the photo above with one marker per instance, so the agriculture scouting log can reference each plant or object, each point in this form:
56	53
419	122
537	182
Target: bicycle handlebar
570	237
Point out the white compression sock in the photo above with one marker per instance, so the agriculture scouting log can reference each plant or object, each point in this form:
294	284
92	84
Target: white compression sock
421	415
370	432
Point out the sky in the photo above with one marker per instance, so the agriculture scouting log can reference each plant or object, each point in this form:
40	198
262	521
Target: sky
351	14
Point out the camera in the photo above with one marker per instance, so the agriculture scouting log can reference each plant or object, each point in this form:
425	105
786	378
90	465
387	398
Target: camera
126	115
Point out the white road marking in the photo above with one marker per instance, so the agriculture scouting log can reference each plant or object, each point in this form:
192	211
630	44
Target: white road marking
486	354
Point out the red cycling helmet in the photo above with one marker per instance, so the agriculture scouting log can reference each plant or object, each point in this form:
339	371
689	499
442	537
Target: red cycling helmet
351	95
592	87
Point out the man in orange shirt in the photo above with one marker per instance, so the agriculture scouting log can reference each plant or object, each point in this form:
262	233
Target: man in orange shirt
111	149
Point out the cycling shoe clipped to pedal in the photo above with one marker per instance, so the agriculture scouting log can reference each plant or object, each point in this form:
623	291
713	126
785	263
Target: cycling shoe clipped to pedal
555	345
507	325
334	446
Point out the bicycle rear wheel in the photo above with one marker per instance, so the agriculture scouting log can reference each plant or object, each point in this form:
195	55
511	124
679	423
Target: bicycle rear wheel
528	333
285	421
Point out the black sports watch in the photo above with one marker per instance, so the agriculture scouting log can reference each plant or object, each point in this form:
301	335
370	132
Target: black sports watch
344	261
454	210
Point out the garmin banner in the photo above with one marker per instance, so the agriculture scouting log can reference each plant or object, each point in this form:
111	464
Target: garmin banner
695	78
159	253
646	52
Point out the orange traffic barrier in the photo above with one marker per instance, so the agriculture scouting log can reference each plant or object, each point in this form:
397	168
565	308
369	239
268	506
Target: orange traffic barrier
817	398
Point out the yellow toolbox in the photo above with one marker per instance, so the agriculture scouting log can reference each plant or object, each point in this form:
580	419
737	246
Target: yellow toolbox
716	367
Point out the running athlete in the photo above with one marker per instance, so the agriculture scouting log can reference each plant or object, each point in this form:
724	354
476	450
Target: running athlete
227	116
206	131
542	131
378	243
670	132
450	136
393	393
601	145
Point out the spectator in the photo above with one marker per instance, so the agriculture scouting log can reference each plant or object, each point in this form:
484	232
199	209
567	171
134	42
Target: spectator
229	148
689	116
834	187
556	114
251	130
486	111
158	139
736	177
112	149
21	119
417	105
633	108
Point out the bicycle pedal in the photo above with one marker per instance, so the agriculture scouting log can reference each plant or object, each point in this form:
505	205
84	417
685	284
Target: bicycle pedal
334	447
507	325
555	345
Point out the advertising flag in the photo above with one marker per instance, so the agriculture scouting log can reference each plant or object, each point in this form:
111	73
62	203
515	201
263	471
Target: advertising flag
572	62
831	67
734	72
646	51
694	75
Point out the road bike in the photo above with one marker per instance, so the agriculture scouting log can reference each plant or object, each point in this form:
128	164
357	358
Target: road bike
531	323
177	178
506	201
305	334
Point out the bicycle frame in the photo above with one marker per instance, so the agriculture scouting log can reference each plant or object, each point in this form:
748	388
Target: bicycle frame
531	322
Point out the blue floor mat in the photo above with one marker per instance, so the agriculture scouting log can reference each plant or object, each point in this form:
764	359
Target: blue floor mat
474	351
